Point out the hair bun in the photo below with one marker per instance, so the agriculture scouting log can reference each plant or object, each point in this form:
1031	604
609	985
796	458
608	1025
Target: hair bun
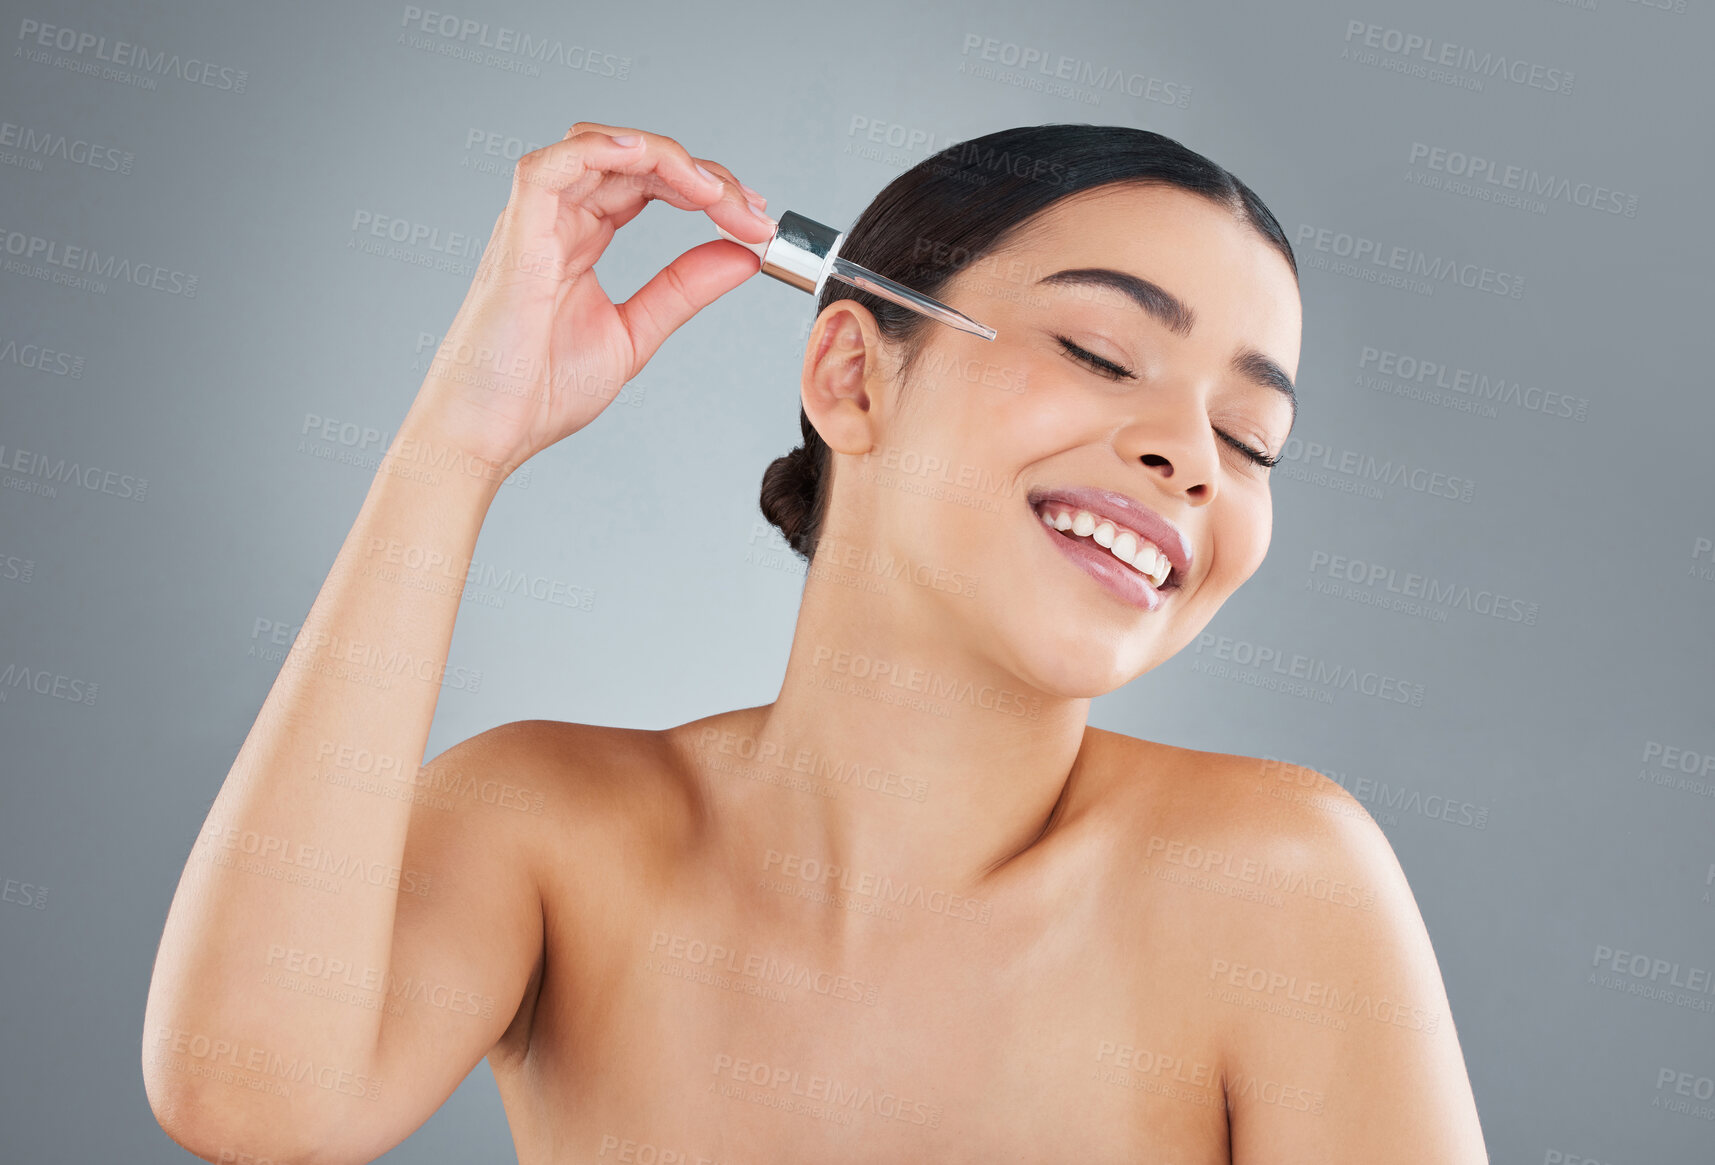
791	494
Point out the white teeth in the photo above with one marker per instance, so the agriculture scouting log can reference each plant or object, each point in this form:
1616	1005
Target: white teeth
1125	547
1131	548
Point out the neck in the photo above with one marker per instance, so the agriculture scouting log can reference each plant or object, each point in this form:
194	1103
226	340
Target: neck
896	750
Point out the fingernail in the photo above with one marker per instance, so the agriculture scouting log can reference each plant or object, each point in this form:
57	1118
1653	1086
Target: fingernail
756	194
626	139
757	211
704	171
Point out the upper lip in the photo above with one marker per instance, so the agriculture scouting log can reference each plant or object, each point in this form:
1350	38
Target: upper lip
1128	512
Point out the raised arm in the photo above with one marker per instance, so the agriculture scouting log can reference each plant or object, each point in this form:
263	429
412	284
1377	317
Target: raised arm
351	934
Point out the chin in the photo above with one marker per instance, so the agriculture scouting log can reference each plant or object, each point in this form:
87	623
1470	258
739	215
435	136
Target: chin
1075	663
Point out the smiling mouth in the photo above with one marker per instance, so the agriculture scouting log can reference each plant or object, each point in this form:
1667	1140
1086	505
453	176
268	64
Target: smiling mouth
1144	557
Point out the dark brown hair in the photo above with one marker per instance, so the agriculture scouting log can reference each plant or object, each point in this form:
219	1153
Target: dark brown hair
959	205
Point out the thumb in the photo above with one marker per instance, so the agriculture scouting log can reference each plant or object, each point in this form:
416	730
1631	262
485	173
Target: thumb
680	290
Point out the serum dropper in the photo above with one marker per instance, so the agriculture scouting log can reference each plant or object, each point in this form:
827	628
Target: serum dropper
806	254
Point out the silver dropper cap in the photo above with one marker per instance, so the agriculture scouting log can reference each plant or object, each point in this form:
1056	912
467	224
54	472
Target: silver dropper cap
805	253
800	253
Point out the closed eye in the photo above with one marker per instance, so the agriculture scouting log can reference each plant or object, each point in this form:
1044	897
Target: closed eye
1112	371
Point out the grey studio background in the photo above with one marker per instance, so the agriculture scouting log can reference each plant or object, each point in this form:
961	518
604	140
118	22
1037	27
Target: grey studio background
1497	495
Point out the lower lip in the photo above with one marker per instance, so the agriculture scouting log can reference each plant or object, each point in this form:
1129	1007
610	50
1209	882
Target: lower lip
1120	580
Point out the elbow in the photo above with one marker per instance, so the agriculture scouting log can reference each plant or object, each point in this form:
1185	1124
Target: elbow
183	1116
218	1130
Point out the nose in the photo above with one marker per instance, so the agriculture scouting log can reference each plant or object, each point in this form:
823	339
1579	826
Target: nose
1177	443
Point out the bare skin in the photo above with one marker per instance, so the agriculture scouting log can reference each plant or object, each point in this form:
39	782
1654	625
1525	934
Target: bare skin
836	927
1077	1004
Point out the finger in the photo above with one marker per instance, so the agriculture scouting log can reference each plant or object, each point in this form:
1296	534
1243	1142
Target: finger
623	202
754	197
680	290
751	194
576	166
754	203
705	165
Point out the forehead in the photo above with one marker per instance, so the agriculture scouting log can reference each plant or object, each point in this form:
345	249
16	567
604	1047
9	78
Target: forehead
1239	286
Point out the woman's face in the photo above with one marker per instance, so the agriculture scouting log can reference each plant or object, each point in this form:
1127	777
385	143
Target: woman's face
1182	381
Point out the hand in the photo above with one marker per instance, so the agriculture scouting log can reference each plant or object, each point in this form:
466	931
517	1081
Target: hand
537	350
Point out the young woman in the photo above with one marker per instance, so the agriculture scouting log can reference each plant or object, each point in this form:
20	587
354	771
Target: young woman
915	909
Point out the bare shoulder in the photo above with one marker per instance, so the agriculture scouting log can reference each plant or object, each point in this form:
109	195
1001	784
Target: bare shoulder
576	759
573	778
1329	864
1242	813
1316	963
1288	876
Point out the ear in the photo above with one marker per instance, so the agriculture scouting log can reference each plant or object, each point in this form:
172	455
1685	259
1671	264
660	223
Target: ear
847	385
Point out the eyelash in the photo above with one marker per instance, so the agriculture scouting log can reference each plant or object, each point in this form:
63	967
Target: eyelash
1113	371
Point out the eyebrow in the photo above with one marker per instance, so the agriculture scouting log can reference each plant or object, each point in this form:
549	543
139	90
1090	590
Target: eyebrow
1179	319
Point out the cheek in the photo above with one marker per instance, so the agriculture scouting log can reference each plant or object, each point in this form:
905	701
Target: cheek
1050	404
1012	415
987	417
1245	533
959	451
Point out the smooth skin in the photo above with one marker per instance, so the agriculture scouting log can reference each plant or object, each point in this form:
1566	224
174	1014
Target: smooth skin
948	925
